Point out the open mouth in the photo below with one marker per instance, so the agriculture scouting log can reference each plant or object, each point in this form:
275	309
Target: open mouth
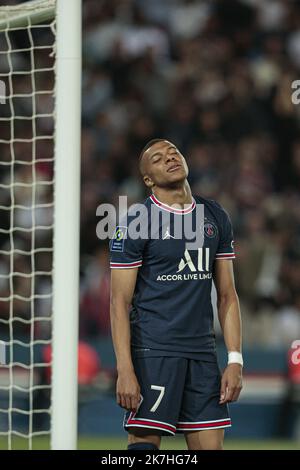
174	168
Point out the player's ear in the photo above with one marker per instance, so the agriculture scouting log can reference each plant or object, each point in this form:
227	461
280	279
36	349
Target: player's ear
148	181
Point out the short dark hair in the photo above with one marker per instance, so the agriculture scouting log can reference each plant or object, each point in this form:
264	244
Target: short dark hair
147	146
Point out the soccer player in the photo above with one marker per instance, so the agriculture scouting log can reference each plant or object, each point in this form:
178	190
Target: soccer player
161	313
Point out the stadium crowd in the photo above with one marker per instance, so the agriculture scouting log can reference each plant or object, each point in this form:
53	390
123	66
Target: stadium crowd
215	78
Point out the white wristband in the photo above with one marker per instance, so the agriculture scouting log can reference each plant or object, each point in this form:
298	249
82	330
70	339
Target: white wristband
235	357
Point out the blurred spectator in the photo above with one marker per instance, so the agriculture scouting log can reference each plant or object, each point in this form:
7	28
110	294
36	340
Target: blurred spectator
95	293
88	363
290	413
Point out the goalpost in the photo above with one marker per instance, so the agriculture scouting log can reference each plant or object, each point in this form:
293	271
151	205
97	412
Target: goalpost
40	115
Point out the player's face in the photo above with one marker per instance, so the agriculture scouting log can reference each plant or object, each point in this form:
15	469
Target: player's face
164	165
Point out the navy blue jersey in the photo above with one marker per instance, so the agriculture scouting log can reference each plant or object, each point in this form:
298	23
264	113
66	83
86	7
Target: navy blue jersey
171	312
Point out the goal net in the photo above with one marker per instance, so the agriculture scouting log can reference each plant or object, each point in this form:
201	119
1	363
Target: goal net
27	106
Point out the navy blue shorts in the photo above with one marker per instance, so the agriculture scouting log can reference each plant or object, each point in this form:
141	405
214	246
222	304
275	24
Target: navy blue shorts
178	395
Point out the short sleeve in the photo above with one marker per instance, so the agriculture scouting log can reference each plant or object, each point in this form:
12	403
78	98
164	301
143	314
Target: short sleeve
225	248
125	253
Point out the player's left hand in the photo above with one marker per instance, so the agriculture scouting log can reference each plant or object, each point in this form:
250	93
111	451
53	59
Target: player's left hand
231	384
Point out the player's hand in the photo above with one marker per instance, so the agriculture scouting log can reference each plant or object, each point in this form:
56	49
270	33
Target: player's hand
128	391
231	384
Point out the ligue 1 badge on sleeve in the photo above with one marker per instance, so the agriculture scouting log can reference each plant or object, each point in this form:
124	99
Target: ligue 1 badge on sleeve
117	242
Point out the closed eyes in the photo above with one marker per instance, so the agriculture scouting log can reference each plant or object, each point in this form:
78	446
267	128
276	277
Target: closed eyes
156	157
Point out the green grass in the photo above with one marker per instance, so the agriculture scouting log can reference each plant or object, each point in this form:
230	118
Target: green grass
178	443
168	443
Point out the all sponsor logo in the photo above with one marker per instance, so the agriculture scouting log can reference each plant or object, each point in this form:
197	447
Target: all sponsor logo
191	269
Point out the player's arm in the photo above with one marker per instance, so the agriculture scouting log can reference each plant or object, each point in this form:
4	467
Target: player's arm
230	321
122	289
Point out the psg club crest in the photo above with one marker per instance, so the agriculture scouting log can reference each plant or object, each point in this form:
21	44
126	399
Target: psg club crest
210	230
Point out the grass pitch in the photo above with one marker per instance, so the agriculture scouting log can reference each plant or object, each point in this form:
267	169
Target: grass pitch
168	443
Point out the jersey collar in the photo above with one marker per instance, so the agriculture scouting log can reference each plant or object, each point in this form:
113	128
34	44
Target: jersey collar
165	207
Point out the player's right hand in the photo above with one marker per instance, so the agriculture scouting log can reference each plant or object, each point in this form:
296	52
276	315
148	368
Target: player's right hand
128	391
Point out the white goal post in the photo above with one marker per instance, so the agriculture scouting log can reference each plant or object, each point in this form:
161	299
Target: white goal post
33	204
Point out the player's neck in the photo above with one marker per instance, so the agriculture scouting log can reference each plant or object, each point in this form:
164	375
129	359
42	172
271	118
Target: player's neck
175	197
